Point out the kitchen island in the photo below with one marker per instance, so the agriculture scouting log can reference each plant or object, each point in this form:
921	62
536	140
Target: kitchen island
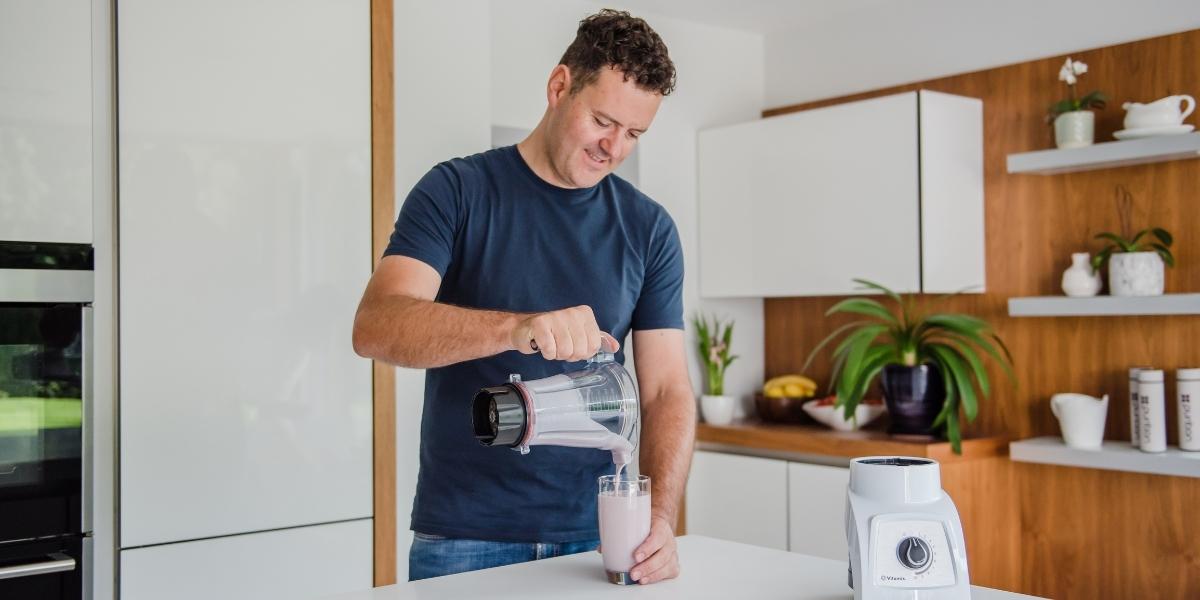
711	568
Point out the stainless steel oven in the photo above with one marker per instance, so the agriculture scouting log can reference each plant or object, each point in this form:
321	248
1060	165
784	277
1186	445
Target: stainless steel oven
45	378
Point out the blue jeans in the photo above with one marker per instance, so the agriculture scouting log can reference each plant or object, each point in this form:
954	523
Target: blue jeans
434	555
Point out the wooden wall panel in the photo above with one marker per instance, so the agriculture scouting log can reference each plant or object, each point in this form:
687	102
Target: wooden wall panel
383	207
1079	537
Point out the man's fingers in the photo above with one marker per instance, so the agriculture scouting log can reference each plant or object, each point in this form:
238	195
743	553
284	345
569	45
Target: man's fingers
544	338
670	570
657	539
661	560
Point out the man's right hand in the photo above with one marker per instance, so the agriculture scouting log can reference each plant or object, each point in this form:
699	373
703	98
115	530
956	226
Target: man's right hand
569	334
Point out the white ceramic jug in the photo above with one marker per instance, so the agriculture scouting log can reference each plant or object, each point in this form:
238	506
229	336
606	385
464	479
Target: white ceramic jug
1081	418
1163	112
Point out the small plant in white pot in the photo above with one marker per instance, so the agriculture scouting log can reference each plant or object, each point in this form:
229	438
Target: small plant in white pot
713	342
1135	265
1074	123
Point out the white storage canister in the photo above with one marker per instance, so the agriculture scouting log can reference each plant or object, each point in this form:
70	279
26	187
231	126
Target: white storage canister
1187	393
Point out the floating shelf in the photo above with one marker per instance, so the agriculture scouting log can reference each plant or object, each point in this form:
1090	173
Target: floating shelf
1111	456
1101	306
1107	155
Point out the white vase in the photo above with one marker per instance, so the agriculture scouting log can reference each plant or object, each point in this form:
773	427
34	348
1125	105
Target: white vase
717	410
1074	129
1135	274
1080	279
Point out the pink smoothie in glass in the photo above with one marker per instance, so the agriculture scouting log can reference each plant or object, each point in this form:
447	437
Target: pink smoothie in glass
624	525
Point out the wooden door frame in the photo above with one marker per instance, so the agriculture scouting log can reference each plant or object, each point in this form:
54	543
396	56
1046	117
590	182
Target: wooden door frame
383	206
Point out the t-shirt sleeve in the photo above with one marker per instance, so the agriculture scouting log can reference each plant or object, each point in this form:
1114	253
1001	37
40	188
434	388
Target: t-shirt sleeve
660	305
428	220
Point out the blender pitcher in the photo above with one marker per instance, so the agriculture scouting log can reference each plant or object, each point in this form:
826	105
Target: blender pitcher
595	407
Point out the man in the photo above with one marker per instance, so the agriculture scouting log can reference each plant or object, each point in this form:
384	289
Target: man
528	259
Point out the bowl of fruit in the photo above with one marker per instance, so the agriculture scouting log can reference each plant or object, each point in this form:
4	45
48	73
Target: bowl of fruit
782	398
826	412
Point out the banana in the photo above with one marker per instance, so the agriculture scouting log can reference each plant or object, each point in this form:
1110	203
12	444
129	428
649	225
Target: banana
793	386
799	380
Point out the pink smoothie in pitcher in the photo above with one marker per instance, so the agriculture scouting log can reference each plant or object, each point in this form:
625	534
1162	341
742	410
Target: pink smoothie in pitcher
624	525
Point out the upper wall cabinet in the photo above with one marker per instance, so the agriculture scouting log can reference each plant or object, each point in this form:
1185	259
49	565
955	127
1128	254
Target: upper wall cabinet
46	121
888	189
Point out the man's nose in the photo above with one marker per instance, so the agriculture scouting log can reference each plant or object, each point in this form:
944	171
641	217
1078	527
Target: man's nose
611	144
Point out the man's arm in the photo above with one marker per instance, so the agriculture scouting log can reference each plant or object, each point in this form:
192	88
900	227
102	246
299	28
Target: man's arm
668	436
399	323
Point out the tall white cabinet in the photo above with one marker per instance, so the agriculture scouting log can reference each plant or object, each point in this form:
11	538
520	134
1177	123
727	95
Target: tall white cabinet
888	189
244	224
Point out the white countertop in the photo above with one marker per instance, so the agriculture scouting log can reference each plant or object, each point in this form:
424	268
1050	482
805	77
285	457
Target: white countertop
710	569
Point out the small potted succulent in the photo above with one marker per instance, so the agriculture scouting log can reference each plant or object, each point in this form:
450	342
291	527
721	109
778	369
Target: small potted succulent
1135	263
929	364
1074	123
713	342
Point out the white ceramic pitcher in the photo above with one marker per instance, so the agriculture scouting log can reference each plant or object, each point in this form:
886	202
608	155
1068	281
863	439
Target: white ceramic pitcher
1081	418
1163	112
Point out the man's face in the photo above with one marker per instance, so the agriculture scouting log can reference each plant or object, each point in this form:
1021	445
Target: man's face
593	130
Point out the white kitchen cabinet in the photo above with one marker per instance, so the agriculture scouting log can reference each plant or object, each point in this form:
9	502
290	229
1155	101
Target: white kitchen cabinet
888	189
46	121
245	243
817	509
738	498
304	562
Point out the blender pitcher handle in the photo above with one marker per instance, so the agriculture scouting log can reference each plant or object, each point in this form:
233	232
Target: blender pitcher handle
601	357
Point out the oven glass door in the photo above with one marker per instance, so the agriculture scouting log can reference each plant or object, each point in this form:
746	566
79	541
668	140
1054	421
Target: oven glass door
41	419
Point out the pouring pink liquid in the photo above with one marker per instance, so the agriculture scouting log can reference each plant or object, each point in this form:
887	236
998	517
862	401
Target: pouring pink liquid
624	513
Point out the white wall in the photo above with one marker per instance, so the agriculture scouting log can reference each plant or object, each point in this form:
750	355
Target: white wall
720	81
443	111
889	43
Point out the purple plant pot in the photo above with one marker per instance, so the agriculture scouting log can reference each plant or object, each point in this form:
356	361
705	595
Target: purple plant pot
914	397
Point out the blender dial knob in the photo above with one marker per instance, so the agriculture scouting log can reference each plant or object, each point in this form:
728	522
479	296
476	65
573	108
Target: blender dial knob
913	552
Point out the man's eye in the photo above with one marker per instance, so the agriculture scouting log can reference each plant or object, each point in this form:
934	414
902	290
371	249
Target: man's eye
599	122
634	135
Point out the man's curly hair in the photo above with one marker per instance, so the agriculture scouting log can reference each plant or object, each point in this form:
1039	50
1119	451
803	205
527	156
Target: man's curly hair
616	39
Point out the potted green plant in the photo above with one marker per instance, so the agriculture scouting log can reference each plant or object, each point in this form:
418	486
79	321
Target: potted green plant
1135	264
713	342
929	364
1074	123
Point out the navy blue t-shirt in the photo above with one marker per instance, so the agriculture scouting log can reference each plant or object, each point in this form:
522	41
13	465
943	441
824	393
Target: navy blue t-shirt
504	239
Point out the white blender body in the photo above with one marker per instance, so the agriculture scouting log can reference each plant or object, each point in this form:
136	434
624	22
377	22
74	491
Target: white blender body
904	535
594	407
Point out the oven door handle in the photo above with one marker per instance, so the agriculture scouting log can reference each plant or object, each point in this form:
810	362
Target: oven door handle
58	563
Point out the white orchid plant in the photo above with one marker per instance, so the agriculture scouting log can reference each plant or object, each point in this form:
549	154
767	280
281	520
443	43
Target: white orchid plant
1069	74
713	343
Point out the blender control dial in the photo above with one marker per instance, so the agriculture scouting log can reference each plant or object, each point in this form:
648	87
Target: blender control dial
914	553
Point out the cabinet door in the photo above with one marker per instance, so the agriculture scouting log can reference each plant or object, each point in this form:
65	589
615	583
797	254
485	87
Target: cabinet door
46	121
305	562
817	510
952	230
801	204
738	498
245	244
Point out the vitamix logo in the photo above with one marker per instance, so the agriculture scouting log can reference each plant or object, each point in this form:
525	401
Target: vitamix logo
891	578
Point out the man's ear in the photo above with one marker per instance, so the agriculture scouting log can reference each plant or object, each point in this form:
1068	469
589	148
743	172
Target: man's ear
559	85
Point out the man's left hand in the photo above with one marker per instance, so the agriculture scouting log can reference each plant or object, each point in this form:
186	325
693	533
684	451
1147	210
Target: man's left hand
657	558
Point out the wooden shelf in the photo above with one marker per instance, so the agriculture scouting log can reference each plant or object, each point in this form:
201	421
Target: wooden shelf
1107	155
1101	306
1111	456
755	437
